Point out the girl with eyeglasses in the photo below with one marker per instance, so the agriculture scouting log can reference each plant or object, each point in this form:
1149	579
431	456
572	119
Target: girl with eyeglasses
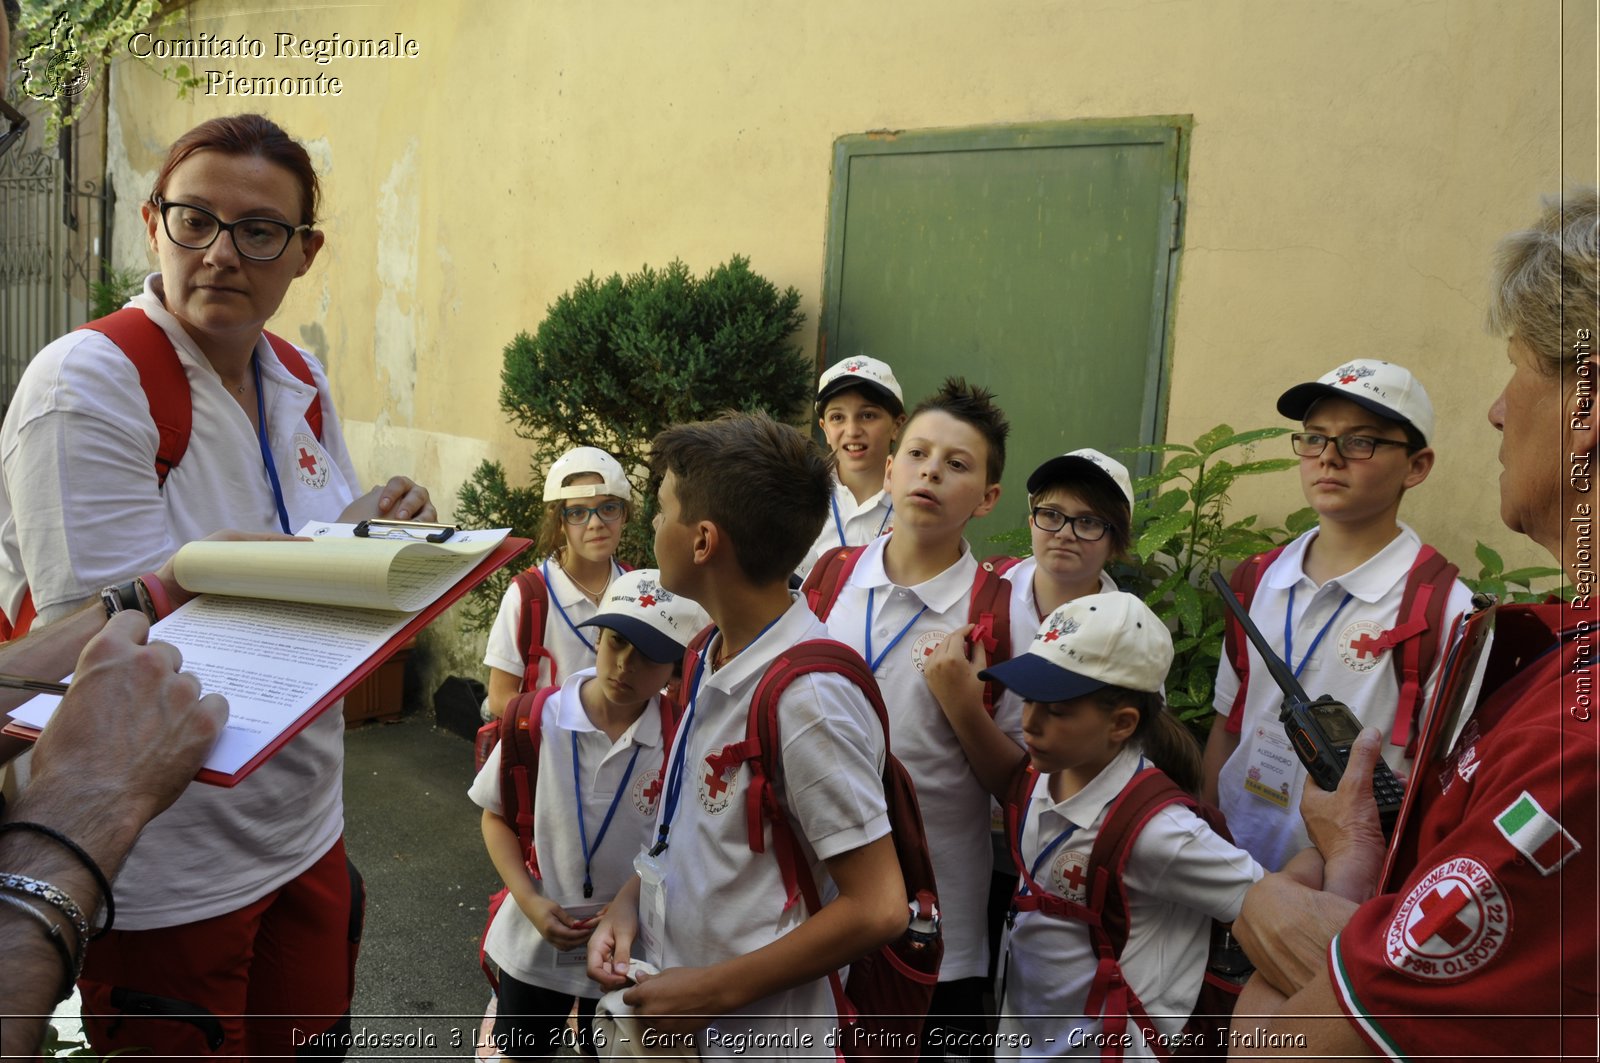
586	498
171	419
1079	520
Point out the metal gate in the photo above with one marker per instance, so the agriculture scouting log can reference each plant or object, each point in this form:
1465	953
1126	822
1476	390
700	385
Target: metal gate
56	210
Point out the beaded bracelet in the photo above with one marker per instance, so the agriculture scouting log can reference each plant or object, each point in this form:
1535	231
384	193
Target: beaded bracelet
88	862
70	968
32	887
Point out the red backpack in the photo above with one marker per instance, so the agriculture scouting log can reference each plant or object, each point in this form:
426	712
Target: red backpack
166	390
1105	914
883	1005
521	735
1415	638
988	610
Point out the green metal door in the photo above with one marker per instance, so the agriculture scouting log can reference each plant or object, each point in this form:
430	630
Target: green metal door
1037	261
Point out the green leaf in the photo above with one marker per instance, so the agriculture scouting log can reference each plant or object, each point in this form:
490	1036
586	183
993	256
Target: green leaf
1490	560
1154	537
1190	612
1252	468
1167	503
1156	448
1244	438
1300	521
1214	440
1526	576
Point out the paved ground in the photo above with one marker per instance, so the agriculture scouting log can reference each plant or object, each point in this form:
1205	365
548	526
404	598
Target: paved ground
414	834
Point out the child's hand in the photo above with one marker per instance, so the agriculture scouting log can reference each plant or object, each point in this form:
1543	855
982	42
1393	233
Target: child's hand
679	1000
951	677
554	924
611	945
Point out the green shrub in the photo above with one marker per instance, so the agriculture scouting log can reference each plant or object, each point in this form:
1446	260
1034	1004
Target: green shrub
616	361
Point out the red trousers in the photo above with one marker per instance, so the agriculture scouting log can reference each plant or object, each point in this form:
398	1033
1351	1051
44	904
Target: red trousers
259	982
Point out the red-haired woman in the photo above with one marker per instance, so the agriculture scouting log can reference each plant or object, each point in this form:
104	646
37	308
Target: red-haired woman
234	902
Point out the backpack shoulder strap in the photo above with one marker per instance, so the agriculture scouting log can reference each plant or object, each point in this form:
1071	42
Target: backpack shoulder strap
1146	794
1416	638
828	577
989	613
295	362
161	377
1244	581
520	737
530	627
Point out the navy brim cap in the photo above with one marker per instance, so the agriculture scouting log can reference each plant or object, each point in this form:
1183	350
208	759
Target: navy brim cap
1069	467
1298	400
645	638
1033	678
880	394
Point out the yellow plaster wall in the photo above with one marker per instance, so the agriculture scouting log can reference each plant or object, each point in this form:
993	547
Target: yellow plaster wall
1352	167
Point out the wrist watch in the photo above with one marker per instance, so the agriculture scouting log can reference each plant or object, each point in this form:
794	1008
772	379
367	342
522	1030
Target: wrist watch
130	595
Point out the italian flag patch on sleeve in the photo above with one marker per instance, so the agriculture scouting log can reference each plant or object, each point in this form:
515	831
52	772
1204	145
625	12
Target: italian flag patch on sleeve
1536	834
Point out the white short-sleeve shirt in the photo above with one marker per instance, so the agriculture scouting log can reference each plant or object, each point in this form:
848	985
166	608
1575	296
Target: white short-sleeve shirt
573	648
623	772
849	523
1259	786
80	509
1180	876
722	899
955	806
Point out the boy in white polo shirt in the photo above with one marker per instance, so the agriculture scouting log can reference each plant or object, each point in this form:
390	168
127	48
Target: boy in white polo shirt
741	497
907	593
594	802
860	410
1330	602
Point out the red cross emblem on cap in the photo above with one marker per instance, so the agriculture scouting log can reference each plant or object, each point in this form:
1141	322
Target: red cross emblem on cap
852	367
646	601
1052	635
1350	378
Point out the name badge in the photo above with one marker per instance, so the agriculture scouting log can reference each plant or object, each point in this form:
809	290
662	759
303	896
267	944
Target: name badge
652	909
1273	766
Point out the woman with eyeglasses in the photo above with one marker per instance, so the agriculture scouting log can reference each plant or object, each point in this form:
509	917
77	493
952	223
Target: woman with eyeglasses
238	914
535	641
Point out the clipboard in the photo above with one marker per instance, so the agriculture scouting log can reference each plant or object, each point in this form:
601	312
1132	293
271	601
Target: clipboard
501	555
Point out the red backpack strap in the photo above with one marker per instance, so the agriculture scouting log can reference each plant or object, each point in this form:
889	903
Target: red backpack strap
530	627
161	377
828	577
1029	896
1417	636
1244	581
1110	997
520	738
295	362
15	628
989	613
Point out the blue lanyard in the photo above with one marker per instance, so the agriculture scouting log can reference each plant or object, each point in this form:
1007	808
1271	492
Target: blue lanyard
838	523
266	449
674	789
1288	633
874	663
555	600
1022	823
583	832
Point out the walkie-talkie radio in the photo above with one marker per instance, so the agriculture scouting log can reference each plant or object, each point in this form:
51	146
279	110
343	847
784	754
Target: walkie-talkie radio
1321	731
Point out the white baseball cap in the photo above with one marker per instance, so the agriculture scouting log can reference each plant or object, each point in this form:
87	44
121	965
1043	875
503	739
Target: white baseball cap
581	460
1099	640
657	622
1087	463
875	377
1386	389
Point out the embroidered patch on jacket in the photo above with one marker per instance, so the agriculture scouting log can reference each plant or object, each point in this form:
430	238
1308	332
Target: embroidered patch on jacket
1069	876
1451	924
1358	647
310	461
714	785
923	648
647	792
1536	834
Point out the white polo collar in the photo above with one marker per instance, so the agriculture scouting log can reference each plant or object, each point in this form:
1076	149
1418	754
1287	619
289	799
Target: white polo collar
939	594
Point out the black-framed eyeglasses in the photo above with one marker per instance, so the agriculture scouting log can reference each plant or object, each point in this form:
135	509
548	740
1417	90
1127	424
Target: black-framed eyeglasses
16	125
1089	529
610	512
1350	446
196	228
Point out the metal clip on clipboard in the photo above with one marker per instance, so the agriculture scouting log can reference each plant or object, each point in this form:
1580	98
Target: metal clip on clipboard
376	528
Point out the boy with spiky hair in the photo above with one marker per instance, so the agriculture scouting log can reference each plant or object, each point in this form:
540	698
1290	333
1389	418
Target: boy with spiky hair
742	497
905	594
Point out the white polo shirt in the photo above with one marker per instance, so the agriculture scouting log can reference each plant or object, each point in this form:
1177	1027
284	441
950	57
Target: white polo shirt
1259	786
79	509
724	900
849	524
571	646
604	768
1179	877
955	806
